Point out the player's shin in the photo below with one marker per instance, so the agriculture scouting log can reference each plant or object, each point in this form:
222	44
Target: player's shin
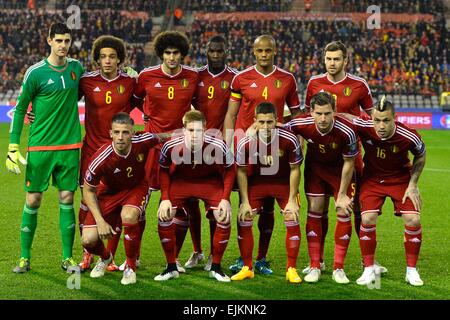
193	210
342	238
181	223
27	230
220	242
132	243
245	241
314	238
368	243
324	234
266	222
67	228
413	242
293	237
166	231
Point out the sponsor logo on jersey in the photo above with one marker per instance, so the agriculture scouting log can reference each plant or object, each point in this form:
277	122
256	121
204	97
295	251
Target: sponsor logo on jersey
140	157
253	85
310	141
280	153
201	84
347	92
88	176
73	75
278	84
120	89
224	84
157	85
50	81
369	142
97	89
395	149
184	83
117	170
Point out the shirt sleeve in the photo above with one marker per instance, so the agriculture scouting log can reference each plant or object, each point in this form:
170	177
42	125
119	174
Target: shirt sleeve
236	94
292	99
366	101
27	94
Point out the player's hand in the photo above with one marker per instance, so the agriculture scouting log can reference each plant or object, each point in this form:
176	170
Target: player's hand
130	71
224	212
252	131
105	231
165	210
412	192
30	117
13	158
291	210
344	204
245	211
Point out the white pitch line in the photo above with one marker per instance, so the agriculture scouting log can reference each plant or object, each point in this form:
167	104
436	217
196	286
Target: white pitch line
437	170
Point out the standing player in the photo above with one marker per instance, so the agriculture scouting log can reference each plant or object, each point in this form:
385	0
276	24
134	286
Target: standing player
115	189
107	91
201	167
51	86
275	156
168	89
388	173
263	82
329	171
211	98
352	95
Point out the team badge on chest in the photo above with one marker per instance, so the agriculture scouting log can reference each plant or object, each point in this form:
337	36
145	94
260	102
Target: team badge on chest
120	89
347	92
73	75
224	84
184	83
140	157
277	84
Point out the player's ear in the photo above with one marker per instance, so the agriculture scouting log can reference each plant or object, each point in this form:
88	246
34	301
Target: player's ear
49	41
110	133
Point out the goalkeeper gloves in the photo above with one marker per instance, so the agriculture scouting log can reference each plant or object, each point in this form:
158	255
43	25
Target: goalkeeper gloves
130	71
13	158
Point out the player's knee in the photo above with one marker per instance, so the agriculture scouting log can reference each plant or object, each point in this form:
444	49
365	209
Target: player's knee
88	241
369	218
33	200
130	216
66	197
411	220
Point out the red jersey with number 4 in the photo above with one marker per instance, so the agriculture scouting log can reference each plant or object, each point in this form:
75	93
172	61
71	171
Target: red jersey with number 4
167	97
387	159
116	172
212	95
270	162
252	87
351	93
103	99
326	149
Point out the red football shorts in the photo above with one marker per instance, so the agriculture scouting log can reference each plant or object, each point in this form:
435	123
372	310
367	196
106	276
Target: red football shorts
374	193
321	180
263	194
111	204
152	167
208	190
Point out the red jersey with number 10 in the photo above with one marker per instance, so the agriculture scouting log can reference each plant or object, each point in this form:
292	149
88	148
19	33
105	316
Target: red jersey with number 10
167	97
252	87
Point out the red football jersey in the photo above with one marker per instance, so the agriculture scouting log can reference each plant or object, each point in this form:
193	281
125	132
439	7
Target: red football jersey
252	87
208	162
117	172
351	93
103	99
270	161
212	95
167	98
388	158
327	149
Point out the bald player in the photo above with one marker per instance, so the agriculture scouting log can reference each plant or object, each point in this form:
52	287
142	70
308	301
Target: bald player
262	82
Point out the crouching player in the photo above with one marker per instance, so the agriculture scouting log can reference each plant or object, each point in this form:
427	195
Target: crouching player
201	167
388	173
115	190
273	156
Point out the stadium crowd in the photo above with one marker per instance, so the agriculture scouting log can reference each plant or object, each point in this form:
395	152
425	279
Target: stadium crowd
237	5
20	49
389	60
391	6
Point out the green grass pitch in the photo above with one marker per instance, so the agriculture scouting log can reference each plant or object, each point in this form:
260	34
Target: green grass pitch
47	280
